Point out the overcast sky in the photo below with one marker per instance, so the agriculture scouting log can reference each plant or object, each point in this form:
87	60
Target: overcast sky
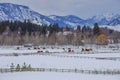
81	8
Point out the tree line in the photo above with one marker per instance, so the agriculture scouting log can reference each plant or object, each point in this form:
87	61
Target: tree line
29	27
18	32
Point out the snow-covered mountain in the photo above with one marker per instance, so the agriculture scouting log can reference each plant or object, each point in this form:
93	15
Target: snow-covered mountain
69	20
13	12
115	21
105	19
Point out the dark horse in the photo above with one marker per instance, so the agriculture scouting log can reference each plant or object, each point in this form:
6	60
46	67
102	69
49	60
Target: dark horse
86	49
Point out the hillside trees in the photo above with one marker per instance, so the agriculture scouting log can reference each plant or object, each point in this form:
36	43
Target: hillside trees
78	30
19	33
96	29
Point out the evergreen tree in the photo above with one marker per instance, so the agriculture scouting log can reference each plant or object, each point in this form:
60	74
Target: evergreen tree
29	67
2	28
44	29
78	28
50	30
55	27
18	67
24	67
96	29
84	29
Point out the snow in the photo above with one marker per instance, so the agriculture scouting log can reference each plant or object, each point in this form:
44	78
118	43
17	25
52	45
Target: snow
55	76
41	61
4	51
107	16
59	58
20	13
52	17
60	49
36	22
116	28
70	23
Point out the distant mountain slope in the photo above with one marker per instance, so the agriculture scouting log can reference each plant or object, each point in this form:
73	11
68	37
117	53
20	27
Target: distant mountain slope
13	12
69	20
106	19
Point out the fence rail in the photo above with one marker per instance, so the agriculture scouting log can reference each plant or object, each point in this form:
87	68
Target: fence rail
59	55
105	72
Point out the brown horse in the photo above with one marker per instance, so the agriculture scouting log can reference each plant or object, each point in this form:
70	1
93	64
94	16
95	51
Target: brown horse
86	49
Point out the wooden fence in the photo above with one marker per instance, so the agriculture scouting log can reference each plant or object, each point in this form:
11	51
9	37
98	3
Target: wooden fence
105	72
58	55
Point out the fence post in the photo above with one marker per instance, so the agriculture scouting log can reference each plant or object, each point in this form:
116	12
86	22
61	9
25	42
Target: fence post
75	70
1	70
12	67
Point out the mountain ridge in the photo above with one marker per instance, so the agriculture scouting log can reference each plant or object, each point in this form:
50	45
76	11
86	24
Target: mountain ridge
13	12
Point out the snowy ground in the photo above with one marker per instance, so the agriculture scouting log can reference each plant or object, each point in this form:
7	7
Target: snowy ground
58	49
55	76
60	62
104	58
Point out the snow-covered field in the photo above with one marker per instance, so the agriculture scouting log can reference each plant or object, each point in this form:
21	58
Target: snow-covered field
60	62
55	76
104	58
59	49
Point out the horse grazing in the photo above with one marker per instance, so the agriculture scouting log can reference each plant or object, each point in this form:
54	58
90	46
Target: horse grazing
87	50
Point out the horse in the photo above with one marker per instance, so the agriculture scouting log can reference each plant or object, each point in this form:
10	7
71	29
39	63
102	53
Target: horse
87	50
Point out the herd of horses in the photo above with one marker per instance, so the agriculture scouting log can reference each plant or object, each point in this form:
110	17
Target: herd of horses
82	50
65	49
